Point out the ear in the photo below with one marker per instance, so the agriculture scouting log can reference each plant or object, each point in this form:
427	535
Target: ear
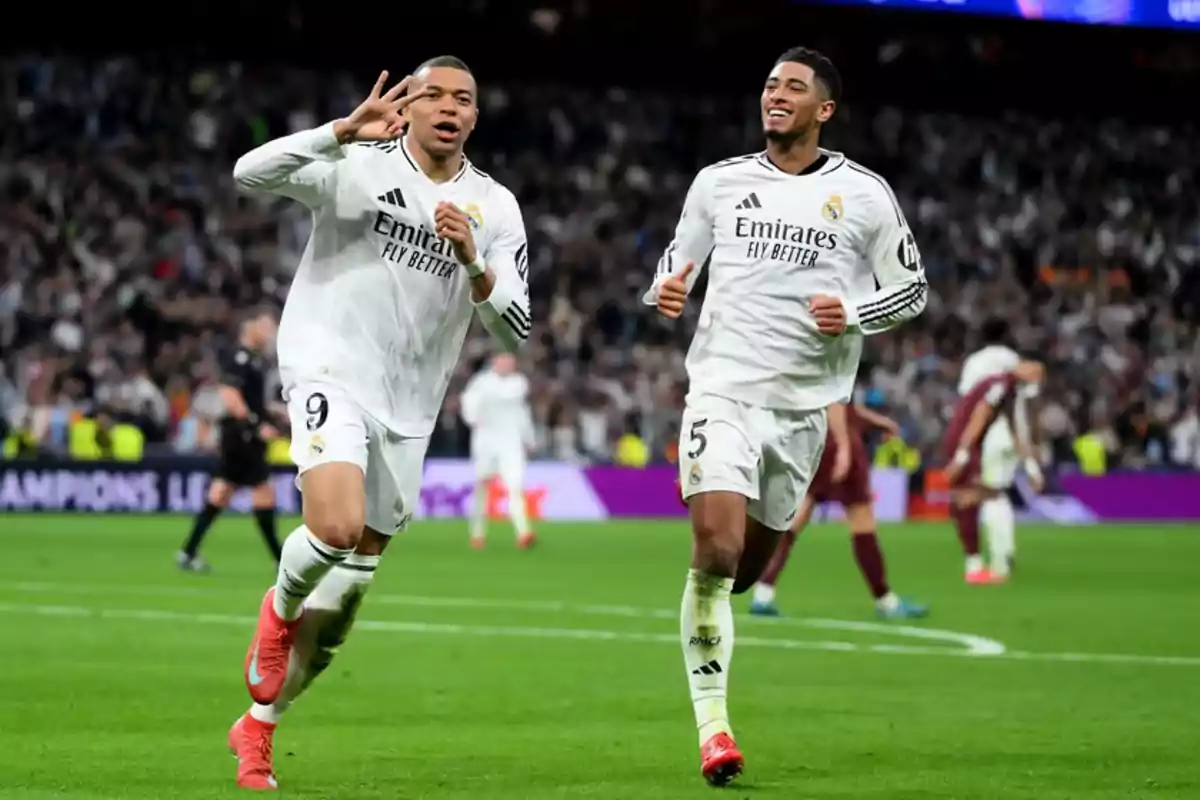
825	111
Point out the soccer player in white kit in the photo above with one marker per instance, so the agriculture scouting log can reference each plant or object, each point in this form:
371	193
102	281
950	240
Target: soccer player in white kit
1006	446
807	252
495	406
409	241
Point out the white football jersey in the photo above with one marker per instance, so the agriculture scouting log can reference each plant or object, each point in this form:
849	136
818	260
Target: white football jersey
496	409
772	240
379	304
991	360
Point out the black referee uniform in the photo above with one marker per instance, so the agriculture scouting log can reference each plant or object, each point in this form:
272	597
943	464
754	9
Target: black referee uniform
242	457
243	453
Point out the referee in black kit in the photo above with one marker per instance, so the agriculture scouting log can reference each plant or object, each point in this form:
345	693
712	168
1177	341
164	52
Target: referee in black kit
246	426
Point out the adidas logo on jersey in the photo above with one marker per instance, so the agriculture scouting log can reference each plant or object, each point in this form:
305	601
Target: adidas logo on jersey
749	202
393	198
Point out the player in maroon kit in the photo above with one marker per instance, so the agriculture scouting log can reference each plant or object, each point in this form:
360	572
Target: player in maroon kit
991	402
844	476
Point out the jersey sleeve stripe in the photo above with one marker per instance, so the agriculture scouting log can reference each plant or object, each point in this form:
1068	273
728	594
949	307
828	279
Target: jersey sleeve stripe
887	189
665	264
899	303
908	287
519	314
521	329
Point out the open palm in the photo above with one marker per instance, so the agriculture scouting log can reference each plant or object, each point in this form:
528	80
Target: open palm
379	117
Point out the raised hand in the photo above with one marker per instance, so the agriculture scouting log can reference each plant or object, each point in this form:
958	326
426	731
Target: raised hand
672	295
378	118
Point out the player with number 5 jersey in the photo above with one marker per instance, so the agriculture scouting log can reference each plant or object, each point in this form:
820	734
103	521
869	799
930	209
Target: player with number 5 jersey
806	252
409	241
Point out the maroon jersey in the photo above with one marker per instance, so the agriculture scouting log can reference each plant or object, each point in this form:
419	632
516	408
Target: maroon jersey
997	391
855	488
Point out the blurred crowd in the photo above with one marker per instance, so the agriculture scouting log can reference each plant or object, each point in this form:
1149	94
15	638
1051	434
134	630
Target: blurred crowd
125	251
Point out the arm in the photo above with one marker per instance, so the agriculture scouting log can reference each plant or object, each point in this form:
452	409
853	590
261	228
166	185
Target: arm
896	262
301	166
693	242
839	426
471	401
877	420
500	280
230	392
981	417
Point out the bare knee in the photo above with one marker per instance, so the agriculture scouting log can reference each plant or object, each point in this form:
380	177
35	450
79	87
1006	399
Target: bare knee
219	493
718	532
334	504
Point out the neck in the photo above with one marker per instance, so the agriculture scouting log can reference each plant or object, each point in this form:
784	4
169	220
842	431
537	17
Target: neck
438	169
794	155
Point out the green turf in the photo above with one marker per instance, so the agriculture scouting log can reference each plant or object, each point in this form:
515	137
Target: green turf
511	674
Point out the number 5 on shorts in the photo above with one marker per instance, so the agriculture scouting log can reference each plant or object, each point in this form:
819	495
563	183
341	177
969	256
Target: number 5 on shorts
318	410
697	438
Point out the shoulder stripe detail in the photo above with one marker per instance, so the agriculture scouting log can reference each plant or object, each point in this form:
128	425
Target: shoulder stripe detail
729	162
480	172
887	189
911	295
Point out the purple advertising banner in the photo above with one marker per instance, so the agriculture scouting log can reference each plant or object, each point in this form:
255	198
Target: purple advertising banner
651	492
1138	496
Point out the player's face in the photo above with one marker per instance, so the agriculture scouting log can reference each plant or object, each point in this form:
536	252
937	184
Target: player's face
504	363
442	120
264	331
793	102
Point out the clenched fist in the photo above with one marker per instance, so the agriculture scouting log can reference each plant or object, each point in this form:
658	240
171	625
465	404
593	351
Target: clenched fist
672	295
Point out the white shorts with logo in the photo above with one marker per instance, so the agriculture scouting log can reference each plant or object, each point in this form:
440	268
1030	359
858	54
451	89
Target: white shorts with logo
768	456
329	426
999	459
497	458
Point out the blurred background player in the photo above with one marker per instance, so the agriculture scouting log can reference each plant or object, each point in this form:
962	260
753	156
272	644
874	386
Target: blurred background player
995	512
409	242
795	238
247	423
495	407
980	473
844	477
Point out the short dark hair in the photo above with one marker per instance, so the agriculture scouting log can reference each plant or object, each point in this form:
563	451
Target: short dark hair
453	62
257	311
995	330
821	66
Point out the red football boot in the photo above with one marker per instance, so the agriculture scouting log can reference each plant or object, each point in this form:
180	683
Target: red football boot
526	540
267	658
253	743
720	760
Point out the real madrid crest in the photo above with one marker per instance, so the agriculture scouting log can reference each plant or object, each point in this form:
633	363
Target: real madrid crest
697	475
316	445
475	215
833	210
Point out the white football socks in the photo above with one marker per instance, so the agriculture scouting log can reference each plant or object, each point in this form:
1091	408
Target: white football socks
306	560
479	510
999	521
706	631
518	512
329	614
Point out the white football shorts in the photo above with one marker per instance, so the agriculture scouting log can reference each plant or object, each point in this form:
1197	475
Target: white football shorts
768	456
329	426
999	459
502	459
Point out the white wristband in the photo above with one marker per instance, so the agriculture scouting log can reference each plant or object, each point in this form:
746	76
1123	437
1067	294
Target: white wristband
1033	468
961	456
476	267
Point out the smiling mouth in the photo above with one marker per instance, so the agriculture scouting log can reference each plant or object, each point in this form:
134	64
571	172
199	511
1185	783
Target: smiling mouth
777	113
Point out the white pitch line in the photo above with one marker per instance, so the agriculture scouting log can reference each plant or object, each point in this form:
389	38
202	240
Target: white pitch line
591	635
972	643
